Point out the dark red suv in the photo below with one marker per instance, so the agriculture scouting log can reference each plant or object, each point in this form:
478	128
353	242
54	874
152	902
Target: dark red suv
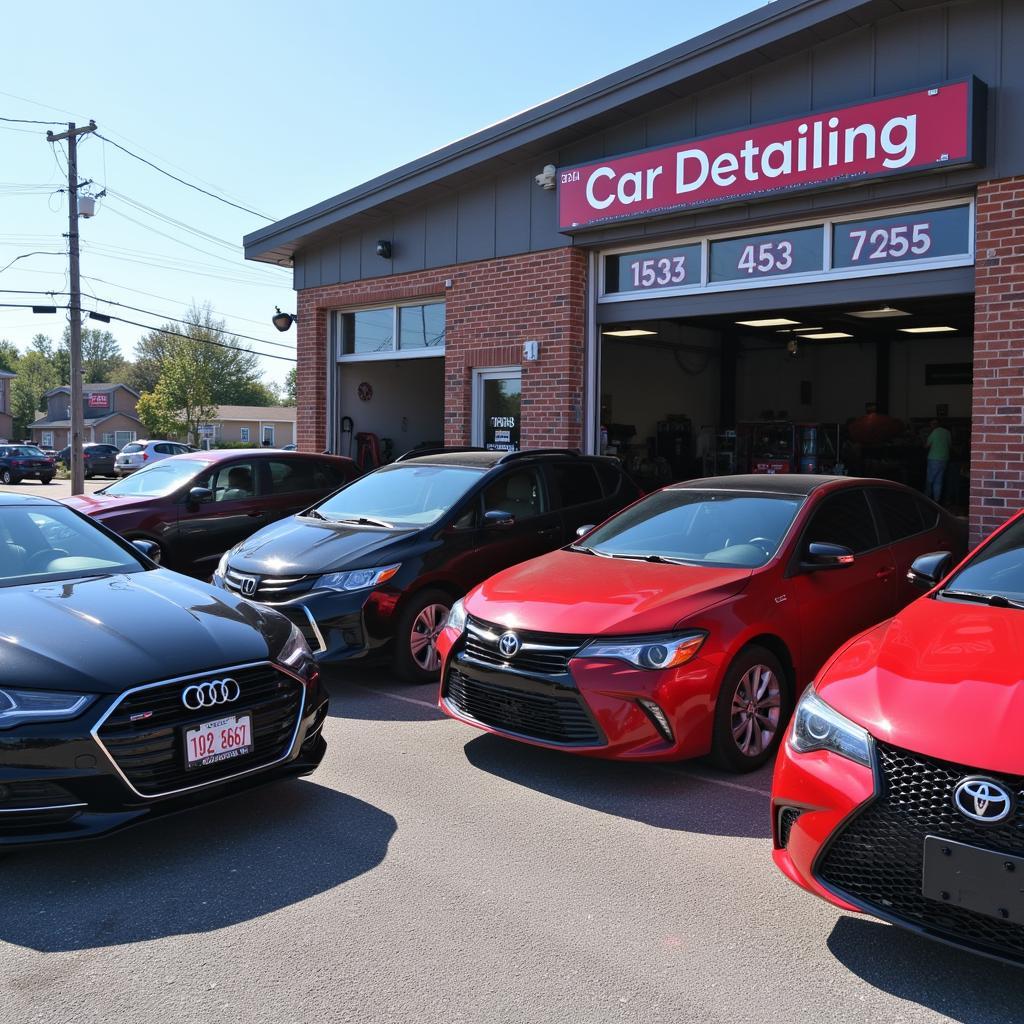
198	505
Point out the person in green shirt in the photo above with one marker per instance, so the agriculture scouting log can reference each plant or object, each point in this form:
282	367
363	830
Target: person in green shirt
939	442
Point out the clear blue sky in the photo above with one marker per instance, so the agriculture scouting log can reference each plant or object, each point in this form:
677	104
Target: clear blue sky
274	105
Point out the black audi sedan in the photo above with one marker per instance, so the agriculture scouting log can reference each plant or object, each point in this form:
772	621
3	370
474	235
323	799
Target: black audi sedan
127	690
377	565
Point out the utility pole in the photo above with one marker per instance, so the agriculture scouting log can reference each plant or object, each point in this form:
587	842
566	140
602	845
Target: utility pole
75	305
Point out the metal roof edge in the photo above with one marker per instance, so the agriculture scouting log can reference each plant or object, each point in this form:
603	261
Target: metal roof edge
776	20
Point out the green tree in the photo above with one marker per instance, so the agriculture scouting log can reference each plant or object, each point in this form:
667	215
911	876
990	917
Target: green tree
288	392
57	356
101	355
9	356
36	376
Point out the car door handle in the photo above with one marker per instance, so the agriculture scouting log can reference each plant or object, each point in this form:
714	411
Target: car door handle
550	531
885	572
253	515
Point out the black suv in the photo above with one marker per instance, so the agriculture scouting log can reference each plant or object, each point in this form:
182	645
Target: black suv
380	562
98	459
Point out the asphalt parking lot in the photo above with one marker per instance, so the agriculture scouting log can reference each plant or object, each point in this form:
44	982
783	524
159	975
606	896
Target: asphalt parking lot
54	489
430	873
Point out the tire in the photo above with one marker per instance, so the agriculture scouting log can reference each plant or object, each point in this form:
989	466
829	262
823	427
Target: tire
415	657
7	477
88	476
45	479
737	744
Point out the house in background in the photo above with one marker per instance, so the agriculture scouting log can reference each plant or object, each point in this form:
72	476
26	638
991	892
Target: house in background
270	426
6	423
109	411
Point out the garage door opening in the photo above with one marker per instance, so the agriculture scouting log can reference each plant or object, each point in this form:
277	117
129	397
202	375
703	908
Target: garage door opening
852	389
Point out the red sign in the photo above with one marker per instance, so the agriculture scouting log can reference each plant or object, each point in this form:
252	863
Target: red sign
99	400
914	132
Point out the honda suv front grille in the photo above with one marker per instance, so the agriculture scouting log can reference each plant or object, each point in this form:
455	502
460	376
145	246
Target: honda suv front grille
144	731
877	858
268	589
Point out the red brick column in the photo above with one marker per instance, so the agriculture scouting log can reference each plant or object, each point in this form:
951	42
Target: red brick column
997	435
492	307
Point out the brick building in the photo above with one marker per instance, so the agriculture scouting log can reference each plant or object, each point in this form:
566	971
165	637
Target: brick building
789	243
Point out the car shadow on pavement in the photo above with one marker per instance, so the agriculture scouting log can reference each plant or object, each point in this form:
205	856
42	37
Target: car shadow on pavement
963	986
215	866
374	695
666	796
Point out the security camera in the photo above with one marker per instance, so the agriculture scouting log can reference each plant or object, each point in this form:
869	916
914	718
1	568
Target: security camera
546	178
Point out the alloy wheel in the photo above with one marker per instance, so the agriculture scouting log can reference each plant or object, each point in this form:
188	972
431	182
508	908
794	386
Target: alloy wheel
426	628
756	710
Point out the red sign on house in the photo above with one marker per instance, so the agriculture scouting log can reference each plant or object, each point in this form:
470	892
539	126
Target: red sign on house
98	400
917	131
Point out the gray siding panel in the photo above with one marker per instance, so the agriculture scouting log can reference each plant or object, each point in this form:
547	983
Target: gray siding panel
842	71
372	264
781	90
409	241
476	224
909	60
511	228
671	123
442	223
350	263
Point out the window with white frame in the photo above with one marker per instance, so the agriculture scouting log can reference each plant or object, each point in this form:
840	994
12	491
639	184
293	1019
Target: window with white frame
268	436
402	330
123	437
108	438
243	433
47	441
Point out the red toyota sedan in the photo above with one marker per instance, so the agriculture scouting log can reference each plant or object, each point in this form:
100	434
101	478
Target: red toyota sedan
687	623
198	505
900	789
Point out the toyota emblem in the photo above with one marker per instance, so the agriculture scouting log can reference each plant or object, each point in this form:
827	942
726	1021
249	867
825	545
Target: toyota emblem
508	644
208	695
983	800
248	585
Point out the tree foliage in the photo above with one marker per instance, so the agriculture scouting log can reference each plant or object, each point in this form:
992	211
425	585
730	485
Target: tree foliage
101	355
288	392
9	355
36	376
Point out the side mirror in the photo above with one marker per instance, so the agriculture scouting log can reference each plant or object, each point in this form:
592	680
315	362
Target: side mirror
584	530
200	495
822	555
927	570
499	518
149	548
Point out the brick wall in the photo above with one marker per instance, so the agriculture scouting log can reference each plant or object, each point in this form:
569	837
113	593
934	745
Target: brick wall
997	434
492	307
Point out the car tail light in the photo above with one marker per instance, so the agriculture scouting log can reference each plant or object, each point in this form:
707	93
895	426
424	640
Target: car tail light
145	455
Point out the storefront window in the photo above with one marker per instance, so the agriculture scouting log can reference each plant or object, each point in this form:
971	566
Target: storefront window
421	326
391	330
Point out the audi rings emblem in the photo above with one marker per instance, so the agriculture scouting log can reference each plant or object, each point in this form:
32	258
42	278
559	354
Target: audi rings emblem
508	644
208	695
983	800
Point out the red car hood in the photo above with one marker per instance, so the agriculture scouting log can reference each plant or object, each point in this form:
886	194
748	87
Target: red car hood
97	504
570	592
943	678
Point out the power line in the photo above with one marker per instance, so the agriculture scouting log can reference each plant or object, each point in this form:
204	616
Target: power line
37	252
143	208
182	181
23	120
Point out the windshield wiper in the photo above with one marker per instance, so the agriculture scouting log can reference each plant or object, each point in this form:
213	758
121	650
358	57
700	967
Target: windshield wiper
995	600
311	513
583	550
363	521
649	558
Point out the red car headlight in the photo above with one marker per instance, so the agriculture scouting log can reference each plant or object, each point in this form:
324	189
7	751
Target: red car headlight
650	652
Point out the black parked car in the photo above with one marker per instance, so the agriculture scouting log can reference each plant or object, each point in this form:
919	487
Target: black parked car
384	558
98	458
131	690
22	461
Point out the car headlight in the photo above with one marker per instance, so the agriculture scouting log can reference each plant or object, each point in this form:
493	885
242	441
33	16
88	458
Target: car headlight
357	579
816	726
18	707
222	566
295	651
653	652
457	617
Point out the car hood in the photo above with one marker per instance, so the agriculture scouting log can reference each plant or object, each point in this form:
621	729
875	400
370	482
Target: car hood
105	634
570	592
942	678
99	504
298	545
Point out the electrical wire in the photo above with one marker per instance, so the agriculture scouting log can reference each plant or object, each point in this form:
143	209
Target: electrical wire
23	120
37	252
143	208
182	181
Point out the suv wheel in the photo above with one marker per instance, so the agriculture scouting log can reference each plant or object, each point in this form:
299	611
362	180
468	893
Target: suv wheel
419	625
7	477
752	711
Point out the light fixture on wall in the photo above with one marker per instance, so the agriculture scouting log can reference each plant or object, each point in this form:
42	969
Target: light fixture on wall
546	178
282	321
384	249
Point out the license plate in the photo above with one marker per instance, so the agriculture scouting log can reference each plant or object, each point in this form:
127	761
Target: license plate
985	881
220	740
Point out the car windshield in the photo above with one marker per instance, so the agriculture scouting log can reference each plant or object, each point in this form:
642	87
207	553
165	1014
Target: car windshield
997	570
50	542
701	527
157	480
402	495
22	451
